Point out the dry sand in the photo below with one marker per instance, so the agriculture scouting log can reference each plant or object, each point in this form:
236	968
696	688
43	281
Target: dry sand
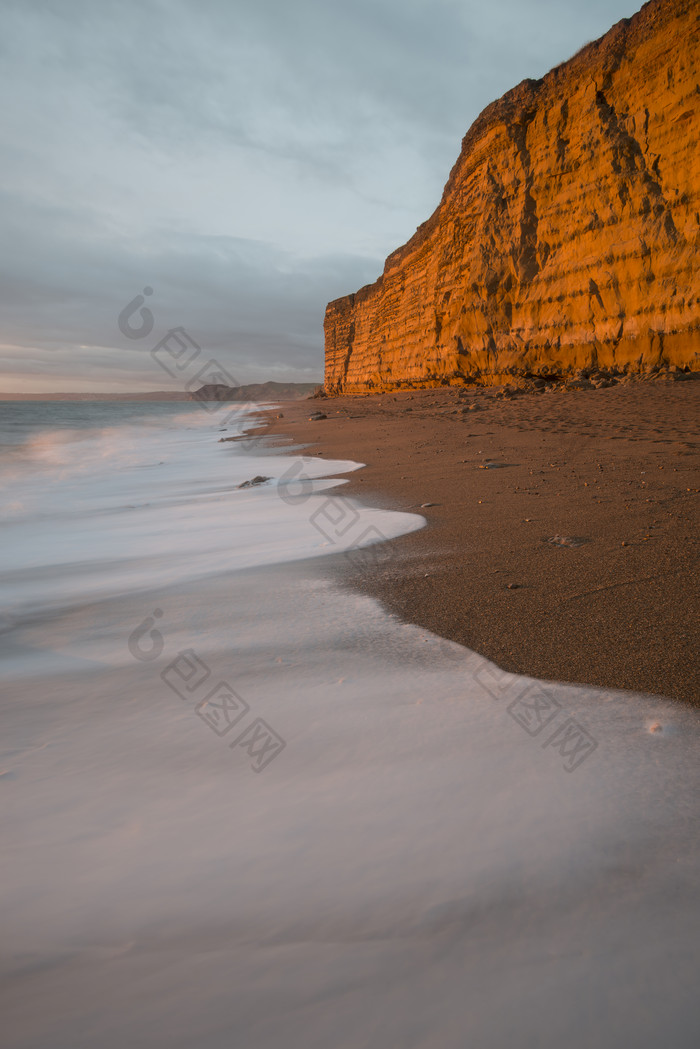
616	469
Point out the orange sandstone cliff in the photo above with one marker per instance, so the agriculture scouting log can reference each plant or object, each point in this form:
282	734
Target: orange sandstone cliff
567	236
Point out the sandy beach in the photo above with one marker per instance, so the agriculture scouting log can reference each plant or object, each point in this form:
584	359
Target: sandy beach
563	528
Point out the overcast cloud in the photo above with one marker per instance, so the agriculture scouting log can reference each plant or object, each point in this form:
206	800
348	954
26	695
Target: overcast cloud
249	160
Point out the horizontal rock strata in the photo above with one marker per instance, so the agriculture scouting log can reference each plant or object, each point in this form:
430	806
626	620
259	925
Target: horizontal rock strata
568	232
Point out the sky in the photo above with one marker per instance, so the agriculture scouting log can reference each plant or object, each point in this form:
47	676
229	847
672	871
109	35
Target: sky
244	160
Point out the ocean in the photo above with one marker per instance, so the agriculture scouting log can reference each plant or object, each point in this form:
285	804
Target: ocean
243	805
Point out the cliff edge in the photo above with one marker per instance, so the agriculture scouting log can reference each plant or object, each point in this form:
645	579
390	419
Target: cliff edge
567	236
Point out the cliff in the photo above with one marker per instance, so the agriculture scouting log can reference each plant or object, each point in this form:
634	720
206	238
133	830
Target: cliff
567	235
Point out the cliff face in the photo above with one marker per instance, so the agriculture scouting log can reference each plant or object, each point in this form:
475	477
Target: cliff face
568	233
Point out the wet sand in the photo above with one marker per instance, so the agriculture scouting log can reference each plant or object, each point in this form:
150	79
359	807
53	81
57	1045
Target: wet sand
615	470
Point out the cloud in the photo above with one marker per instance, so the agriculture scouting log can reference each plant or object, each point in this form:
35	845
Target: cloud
243	300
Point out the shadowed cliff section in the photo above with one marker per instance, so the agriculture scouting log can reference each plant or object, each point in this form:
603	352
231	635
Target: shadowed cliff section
567	236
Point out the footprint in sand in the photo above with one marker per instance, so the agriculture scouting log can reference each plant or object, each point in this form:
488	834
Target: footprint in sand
566	540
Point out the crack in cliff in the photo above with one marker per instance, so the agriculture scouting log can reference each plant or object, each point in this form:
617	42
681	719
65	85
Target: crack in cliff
525	257
562	142
627	151
348	350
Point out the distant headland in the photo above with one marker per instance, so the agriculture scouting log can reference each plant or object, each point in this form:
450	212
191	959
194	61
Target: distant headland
265	391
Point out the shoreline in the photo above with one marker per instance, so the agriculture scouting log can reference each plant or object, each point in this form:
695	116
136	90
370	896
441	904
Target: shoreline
399	821
611	476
